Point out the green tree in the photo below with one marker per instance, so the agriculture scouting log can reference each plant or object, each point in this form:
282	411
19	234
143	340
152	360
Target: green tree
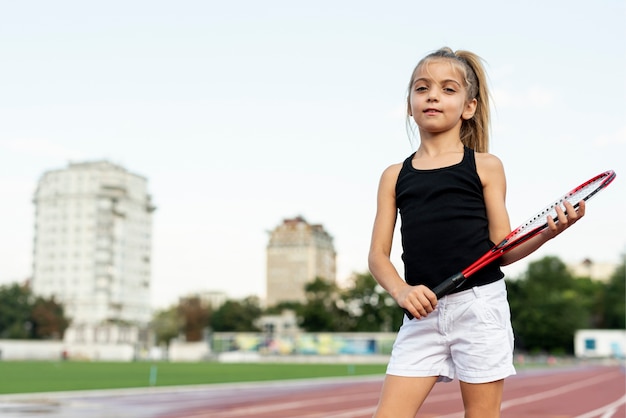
278	308
15	311
195	318
546	308
48	319
614	299
590	293
167	324
370	306
324	310
237	316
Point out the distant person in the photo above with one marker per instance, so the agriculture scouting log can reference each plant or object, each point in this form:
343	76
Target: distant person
450	195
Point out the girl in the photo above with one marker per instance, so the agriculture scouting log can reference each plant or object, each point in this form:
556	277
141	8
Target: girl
450	195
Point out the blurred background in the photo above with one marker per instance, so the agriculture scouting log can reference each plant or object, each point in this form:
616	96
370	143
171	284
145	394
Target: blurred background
241	115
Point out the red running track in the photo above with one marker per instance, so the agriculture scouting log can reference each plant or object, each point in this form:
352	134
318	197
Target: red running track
576	392
589	392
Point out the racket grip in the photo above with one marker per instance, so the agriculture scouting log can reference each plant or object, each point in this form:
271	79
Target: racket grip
449	285
444	288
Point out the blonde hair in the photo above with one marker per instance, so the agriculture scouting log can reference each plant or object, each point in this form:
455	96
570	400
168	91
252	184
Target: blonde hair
474	131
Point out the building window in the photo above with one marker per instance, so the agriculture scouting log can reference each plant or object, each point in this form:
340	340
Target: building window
590	344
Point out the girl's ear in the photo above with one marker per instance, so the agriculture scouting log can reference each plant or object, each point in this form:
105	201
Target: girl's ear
470	109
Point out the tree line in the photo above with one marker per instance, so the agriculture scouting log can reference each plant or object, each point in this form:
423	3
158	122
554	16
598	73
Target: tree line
548	304
26	316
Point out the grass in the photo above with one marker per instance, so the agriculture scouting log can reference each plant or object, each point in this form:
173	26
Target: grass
42	376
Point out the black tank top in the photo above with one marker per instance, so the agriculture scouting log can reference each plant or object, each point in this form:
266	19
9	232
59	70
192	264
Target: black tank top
443	223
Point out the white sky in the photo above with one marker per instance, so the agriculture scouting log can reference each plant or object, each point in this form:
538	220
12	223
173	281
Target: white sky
243	113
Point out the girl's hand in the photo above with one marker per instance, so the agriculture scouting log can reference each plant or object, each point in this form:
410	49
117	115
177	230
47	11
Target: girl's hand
418	300
565	218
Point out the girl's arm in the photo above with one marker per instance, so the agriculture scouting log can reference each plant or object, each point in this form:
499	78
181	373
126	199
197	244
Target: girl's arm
419	300
554	229
491	173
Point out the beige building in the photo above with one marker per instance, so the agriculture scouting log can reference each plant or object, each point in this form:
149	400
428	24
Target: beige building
601	271
297	253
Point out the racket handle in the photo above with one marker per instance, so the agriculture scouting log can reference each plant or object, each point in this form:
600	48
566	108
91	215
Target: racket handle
449	285
444	288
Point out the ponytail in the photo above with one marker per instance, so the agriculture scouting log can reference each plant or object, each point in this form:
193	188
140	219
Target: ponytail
475	131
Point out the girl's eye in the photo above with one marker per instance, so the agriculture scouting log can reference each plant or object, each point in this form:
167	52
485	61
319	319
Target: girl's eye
449	90
420	89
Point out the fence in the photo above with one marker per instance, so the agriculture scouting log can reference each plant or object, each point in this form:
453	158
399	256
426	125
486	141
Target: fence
319	344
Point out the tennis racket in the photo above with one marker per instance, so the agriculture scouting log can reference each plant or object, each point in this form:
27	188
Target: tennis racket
526	231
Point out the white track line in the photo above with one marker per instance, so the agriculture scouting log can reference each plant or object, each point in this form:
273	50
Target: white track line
369	410
607	411
351	413
554	392
272	407
543	395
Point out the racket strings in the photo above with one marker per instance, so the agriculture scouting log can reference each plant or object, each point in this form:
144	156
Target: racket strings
538	223
583	192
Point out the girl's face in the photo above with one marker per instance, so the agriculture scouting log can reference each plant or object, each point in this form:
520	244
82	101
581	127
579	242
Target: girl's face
438	99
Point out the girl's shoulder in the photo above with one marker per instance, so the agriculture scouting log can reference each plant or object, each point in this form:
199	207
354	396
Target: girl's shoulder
490	169
393	171
487	161
390	176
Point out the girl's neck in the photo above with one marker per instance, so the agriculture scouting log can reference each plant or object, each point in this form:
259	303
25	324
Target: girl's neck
430	156
433	148
434	143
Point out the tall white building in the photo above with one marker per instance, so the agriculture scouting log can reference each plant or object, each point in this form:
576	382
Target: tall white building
92	243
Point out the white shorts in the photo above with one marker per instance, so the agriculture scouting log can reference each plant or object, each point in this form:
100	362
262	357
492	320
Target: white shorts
468	336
